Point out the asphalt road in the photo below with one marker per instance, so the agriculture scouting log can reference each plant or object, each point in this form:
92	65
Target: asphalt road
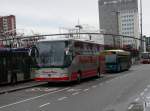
124	91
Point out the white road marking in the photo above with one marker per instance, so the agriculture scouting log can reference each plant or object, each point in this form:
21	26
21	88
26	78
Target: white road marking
70	90
75	93
41	89
86	89
137	99
147	104
44	105
78	89
131	106
94	86
62	98
145	89
73	90
29	99
148	97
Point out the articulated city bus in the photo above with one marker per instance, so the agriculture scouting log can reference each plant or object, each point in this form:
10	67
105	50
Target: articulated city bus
4	55
66	60
117	60
145	59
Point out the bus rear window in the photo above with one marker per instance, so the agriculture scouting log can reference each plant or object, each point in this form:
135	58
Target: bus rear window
111	58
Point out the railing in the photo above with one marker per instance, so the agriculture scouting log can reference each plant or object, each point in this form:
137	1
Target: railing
108	40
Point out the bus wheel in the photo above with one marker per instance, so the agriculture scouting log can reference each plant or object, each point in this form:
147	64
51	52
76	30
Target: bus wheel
98	73
118	68
79	77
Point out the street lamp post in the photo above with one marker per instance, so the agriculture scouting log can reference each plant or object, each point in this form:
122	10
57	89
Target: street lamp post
79	28
117	19
117	15
141	27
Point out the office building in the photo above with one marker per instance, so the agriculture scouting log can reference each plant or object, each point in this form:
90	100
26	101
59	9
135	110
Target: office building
7	25
119	17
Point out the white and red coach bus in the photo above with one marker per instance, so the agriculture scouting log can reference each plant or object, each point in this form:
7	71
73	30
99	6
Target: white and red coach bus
67	60
145	59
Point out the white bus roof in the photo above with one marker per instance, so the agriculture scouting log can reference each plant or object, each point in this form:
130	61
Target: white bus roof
121	52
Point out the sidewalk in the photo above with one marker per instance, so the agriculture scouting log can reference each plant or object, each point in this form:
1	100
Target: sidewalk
135	62
19	86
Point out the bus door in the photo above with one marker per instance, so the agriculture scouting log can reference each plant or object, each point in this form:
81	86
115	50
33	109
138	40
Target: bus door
124	61
3	70
111	62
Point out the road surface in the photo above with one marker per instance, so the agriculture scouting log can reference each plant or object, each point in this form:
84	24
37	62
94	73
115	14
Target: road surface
125	91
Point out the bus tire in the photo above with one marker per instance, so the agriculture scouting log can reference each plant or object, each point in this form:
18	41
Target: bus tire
79	77
98	73
118	68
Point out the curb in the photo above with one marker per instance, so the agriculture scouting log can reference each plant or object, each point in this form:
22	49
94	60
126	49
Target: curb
19	88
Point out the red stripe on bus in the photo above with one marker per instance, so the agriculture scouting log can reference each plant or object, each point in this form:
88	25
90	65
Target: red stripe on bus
90	73
85	74
74	76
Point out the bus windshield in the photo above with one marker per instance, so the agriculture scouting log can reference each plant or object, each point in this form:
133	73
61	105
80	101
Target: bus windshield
111	59
51	54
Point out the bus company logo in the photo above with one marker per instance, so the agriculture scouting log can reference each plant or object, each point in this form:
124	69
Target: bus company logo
48	72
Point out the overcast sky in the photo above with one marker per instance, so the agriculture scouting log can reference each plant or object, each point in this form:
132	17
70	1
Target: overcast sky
48	16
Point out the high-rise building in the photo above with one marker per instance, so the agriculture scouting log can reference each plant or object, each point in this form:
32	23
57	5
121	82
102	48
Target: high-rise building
147	40
119	17
8	25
